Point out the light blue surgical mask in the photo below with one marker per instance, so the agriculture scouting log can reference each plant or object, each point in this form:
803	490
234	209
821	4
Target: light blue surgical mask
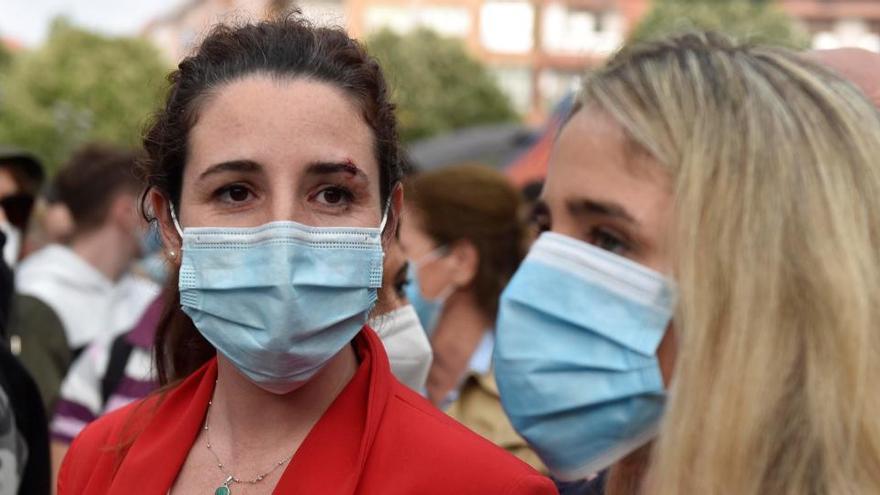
428	309
280	300
575	357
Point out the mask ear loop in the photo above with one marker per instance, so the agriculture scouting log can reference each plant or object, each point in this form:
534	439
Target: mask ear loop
174	220
384	215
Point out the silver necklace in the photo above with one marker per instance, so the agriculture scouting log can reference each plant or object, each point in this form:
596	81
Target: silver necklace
224	489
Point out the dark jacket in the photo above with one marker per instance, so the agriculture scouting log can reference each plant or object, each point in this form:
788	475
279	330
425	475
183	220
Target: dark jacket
30	421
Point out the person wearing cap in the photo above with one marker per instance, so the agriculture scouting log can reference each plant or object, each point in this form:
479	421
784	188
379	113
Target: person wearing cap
24	447
21	176
35	334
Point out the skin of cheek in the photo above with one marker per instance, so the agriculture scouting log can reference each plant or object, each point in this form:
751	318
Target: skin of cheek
417	245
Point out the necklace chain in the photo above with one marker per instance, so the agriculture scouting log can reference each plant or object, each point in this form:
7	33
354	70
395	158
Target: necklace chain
231	478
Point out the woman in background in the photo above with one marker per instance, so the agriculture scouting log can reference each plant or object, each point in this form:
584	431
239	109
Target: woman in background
463	233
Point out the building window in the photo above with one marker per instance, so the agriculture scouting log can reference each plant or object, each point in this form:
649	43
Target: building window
572	30
847	33
516	82
507	27
323	13
397	19
446	21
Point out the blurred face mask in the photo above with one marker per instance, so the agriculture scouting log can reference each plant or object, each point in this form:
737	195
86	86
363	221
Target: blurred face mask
407	345
575	357
280	300
428	309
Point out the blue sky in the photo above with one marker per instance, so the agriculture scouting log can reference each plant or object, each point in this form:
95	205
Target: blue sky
27	21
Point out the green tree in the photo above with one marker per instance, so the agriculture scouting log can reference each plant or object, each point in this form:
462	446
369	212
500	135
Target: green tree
79	86
5	57
757	20
437	86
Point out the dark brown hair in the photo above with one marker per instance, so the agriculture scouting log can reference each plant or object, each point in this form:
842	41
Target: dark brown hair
287	48
90	181
476	203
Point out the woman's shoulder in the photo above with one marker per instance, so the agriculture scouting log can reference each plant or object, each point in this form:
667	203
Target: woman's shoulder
443	449
99	448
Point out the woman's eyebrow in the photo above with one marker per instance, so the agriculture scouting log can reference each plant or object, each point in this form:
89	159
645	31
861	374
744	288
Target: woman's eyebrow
248	166
585	206
330	168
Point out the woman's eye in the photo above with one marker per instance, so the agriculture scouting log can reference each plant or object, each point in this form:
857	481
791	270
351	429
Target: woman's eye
539	219
334	196
603	239
235	194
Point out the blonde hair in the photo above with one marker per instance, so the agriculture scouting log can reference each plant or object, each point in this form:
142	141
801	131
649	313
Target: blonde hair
775	165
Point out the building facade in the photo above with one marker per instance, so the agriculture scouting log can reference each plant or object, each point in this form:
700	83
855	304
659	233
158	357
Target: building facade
537	49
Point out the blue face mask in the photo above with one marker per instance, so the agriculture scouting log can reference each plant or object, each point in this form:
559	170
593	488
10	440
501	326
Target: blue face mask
428	310
575	357
281	299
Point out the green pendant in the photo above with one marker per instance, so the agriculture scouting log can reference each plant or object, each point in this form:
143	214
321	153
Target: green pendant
223	490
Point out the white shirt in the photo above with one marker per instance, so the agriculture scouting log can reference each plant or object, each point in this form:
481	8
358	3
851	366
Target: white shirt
87	303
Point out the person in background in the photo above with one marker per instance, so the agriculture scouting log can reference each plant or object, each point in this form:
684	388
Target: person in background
702	315
24	440
112	372
463	235
21	176
395	321
24	443
57	221
274	174
85	285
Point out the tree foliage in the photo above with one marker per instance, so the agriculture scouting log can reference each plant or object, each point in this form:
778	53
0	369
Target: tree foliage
753	20
437	86
5	57
79	86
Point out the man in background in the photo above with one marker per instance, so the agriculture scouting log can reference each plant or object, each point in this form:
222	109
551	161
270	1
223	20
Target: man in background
85	284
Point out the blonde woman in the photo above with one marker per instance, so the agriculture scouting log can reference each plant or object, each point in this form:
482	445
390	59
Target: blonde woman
703	314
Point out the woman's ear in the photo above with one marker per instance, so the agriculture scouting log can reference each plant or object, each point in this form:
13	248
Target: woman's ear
171	240
395	208
466	258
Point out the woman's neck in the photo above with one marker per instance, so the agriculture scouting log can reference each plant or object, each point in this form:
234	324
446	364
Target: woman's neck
459	331
245	418
93	248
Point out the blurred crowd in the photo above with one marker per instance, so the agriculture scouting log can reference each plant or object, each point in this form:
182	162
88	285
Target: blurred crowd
568	368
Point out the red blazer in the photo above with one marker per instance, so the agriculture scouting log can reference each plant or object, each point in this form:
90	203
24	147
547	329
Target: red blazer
378	437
